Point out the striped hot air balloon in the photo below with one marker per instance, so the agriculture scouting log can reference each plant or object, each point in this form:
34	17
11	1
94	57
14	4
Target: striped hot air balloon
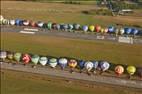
26	58
119	70
53	62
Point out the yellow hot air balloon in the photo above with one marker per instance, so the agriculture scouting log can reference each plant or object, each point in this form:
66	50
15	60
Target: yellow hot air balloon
91	28
102	30
131	70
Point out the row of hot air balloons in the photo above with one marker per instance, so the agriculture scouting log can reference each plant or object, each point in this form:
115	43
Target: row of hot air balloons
72	27
89	66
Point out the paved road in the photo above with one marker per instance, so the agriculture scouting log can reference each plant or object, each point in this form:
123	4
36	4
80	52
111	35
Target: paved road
74	35
75	75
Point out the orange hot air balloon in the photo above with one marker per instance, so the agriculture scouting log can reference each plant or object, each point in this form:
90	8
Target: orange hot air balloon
119	70
97	28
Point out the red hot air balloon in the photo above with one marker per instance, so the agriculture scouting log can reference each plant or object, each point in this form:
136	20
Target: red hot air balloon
26	59
97	28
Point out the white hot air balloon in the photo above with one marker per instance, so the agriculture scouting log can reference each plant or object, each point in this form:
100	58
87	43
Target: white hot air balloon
53	62
63	62
88	66
43	61
12	22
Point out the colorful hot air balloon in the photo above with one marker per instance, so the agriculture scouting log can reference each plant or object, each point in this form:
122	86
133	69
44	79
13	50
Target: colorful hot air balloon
97	28
139	72
131	70
35	59
88	65
49	25
81	65
85	28
122	31
26	22
103	65
53	62
40	24
10	56
111	29
127	30
106	30
26	58
43	61
12	22
119	70
70	27
54	25
33	24
63	62
72	64
91	28
3	55
17	57
135	31
76	26
95	66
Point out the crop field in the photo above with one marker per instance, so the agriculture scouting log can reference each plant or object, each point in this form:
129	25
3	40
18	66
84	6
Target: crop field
75	48
64	13
14	83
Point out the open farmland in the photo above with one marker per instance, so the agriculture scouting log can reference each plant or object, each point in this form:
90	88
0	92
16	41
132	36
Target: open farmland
64	13
76	48
14	82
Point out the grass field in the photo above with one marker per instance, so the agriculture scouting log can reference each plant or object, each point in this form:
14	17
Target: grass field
13	82
76	48
64	13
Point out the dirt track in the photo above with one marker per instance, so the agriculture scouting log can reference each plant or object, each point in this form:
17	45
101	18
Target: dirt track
78	76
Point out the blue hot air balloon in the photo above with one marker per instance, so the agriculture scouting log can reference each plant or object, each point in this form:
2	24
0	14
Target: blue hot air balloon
103	65
63	62
85	28
18	22
81	64
127	30
111	29
95	63
135	31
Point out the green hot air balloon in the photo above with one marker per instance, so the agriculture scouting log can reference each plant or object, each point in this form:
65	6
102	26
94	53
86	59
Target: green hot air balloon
35	59
49	25
17	57
10	56
131	70
53	62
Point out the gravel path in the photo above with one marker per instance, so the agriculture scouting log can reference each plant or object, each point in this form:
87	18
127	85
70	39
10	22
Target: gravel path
79	76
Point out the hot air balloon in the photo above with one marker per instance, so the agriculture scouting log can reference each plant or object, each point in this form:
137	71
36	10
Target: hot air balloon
5	22
49	25
65	27
17	57
10	56
33	24
88	66
76	26
26	22
3	55
58	26
85	28
81	65
111	29
103	65
131	70
35	59
43	61
70	27
72	64
97	28
54	25
95	66
63	62
122	31
40	24
26	58
102	30
119	70
91	28
127	30
12	22
106	30
139	72
135	31
53	62
18	22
